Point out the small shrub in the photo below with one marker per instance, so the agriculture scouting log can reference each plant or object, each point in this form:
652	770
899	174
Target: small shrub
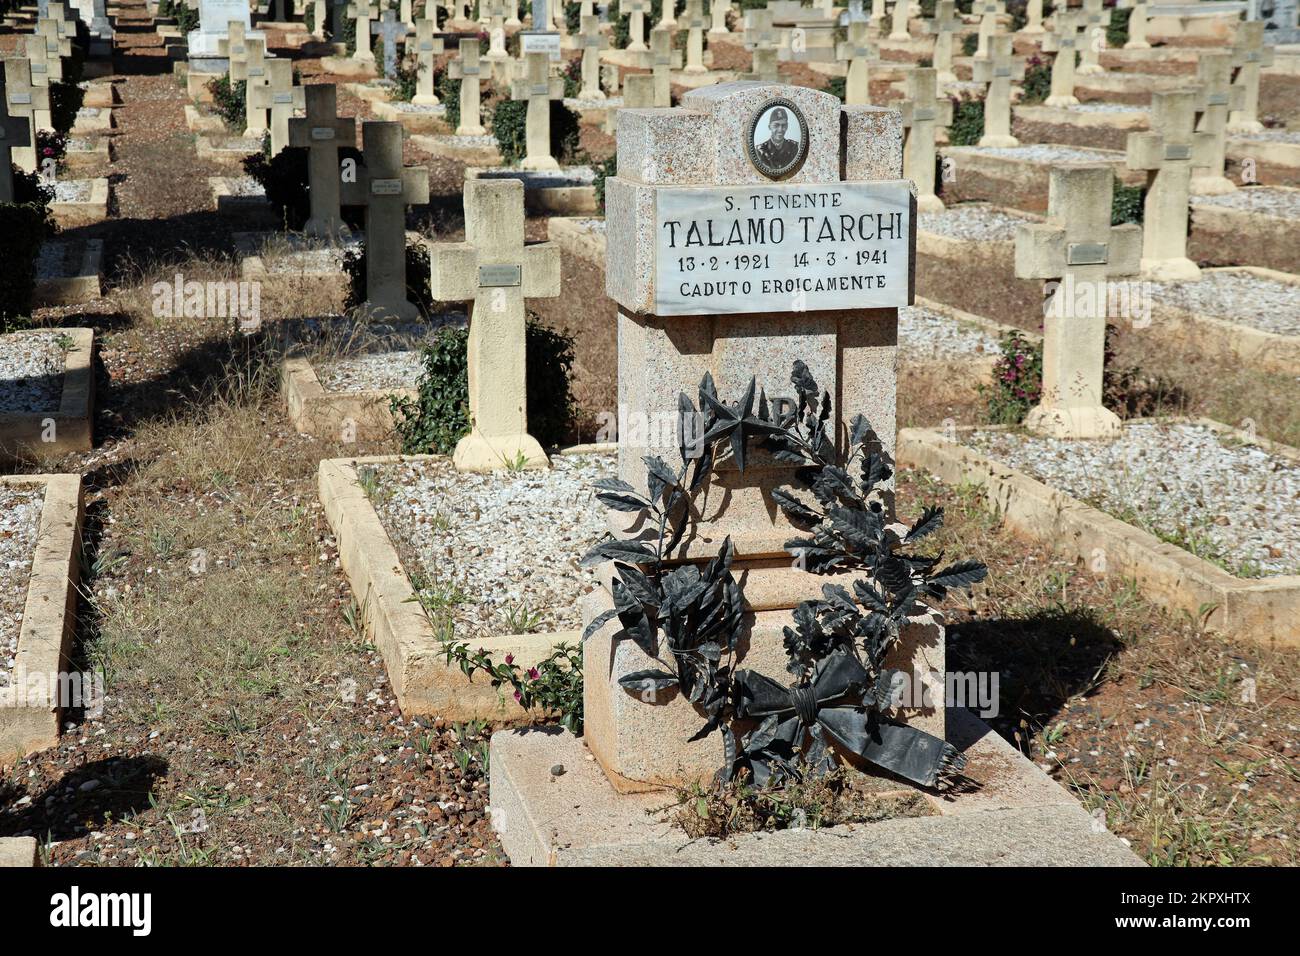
572	77
51	145
603	170
967	121
1017	381
447	89
439	417
1037	85
969	44
553	687
1126	203
417	276
509	125
1117	28
66	98
838	87
286	179
229	102
24	226
407	78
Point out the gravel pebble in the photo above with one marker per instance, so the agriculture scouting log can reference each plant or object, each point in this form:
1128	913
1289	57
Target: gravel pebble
546	178
1261	200
432	109
972	221
20	518
1106	108
923	334
1181	481
243	186
72	190
1272	136
504	541
1044	153
368	373
1239	297
31	367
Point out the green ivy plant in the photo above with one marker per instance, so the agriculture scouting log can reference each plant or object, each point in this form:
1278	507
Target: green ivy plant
24	225
603	171
1127	203
1037	85
967	120
229	102
509	124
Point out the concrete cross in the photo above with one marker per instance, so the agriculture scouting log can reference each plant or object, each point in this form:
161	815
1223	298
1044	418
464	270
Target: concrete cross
427	46
638	91
1078	246
759	32
363	12
861	55
495	271
512	14
233	46
46	67
1064	43
898	22
988	11
663	60
321	133
255	76
405	13
1033	18
280	97
667	14
944	25
1168	153
636	11
592	41
1249	54
693	20
1137	27
1095	19
24	100
15	134
390	30
878	17
1217	97
998	70
853	14
718	10
56	41
538	87
466	69
386	188
923	110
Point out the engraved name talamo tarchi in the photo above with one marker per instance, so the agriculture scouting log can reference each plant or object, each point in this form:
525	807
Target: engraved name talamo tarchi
782	248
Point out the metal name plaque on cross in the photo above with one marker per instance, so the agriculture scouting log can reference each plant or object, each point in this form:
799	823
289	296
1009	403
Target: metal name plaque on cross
322	133
20	99
386	187
282	99
548	43
782	248
1178	151
494	276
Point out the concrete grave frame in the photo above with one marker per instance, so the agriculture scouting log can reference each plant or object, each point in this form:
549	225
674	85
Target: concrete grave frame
20	432
1276	163
315	411
1069	127
252	210
49	616
85	212
1224	235
1015	182
414	657
539	200
1266	611
80	283
18	851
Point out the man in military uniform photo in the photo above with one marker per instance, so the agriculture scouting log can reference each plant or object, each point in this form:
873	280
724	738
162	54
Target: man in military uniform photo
776	151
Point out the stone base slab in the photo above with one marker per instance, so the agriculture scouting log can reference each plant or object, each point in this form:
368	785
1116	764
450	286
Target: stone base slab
314	411
200	122
1275	163
18	851
22	434
30	719
1011	814
1227	236
255	210
568	233
74	277
70	215
98	153
1266	610
542	200
1013	181
1055	124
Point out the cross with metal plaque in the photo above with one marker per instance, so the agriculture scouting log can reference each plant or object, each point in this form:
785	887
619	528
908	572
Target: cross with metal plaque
321	133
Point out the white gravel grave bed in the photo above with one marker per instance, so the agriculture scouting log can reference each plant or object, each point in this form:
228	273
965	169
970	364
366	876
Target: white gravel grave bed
31	370
371	373
929	336
489	545
72	190
1272	136
973	221
465	142
1228	502
547	178
1240	297
431	109
1265	200
1106	108
20	520
1044	153
245	186
609	102
328	261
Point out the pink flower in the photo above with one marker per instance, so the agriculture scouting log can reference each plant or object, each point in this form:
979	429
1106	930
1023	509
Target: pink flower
533	673
518	697
510	658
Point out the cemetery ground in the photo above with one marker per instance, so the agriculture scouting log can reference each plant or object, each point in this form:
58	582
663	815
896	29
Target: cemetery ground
248	720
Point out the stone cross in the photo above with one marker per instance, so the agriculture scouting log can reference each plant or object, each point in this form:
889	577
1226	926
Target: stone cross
24	101
853	14
592	41
667	14
898	23
538	87
1078	246
281	98
512	11
988	12
998	70
15	135
363	12
878	17
234	47
693	20
944	25
1249	55
321	133
406	13
638	91
718	10
636	11
46	67
1063	42
1033	18
1137	27
56	41
1217	97
1095	19
862	55
688	305
386	188
255	76
663	60
466	68
390	30
496	271
923	111
427	47
1167	153
761	40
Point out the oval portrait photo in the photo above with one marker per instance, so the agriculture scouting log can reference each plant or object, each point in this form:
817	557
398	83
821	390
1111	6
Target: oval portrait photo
778	139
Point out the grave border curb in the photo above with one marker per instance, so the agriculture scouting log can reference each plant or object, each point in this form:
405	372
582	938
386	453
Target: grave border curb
83	286
1264	611
49	613
315	411
20	432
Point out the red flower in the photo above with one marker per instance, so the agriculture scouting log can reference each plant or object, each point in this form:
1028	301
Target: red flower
510	658
533	673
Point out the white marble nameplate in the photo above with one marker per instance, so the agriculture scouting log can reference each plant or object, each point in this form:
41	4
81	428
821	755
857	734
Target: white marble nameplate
782	248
